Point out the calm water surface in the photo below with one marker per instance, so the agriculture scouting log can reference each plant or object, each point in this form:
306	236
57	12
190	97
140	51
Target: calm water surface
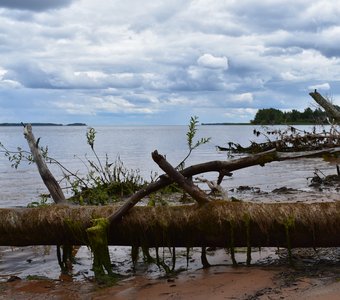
134	144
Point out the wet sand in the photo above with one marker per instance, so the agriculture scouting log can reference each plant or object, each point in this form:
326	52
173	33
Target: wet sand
316	275
220	282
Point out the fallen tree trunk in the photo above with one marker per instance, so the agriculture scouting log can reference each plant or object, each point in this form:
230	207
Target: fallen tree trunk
224	168
218	223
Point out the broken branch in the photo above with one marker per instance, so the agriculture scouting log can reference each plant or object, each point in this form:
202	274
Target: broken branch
187	185
46	175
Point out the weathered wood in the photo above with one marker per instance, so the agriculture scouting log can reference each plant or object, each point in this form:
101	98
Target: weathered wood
326	105
221	167
46	175
194	191
218	223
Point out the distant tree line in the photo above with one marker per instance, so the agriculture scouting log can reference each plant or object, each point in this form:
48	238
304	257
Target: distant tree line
270	116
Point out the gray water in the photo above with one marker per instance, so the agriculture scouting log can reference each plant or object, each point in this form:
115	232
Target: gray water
134	144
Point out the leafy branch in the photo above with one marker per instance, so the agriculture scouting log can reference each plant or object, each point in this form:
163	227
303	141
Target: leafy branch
100	181
191	133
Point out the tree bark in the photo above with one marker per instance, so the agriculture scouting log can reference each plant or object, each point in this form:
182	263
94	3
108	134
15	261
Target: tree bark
218	223
221	167
194	191
46	175
326	105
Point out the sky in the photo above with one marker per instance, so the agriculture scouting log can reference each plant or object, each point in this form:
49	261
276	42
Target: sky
159	62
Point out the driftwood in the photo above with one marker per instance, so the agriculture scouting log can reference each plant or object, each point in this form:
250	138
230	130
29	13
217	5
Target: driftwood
46	175
218	223
207	223
326	105
186	183
269	224
221	167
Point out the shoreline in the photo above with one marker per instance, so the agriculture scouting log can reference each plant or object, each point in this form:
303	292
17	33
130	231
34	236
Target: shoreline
40	124
217	282
314	275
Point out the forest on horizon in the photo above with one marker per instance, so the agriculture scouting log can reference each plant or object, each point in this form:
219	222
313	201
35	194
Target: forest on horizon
273	116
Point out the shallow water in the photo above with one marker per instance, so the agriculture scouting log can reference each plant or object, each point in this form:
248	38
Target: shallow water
41	261
134	146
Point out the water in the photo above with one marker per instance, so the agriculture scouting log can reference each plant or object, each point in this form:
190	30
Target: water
133	144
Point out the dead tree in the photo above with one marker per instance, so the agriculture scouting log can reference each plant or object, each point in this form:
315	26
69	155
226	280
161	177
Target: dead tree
326	105
46	175
207	223
221	167
217	223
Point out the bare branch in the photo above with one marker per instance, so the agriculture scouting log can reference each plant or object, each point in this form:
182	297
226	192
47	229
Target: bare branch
187	185
326	105
47	177
215	166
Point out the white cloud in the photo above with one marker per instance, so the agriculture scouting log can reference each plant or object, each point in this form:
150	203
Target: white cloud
140	58
322	86
96	105
213	62
244	97
7	83
289	76
2	73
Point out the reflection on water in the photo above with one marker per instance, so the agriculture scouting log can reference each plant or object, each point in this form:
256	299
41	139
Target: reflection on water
42	261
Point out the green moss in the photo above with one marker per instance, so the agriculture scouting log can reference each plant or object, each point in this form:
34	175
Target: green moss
77	230
65	259
147	256
160	263
97	236
105	193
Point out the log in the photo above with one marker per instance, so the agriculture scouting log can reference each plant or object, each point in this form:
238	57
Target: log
194	191
224	168
216	224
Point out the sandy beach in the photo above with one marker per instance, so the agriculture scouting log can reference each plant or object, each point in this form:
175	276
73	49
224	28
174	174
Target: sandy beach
315	274
220	282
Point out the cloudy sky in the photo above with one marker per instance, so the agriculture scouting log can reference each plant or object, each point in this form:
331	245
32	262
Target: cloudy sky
160	62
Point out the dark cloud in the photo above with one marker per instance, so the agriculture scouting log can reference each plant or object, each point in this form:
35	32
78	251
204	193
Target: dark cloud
30	75
268	16
151	60
34	5
291	43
